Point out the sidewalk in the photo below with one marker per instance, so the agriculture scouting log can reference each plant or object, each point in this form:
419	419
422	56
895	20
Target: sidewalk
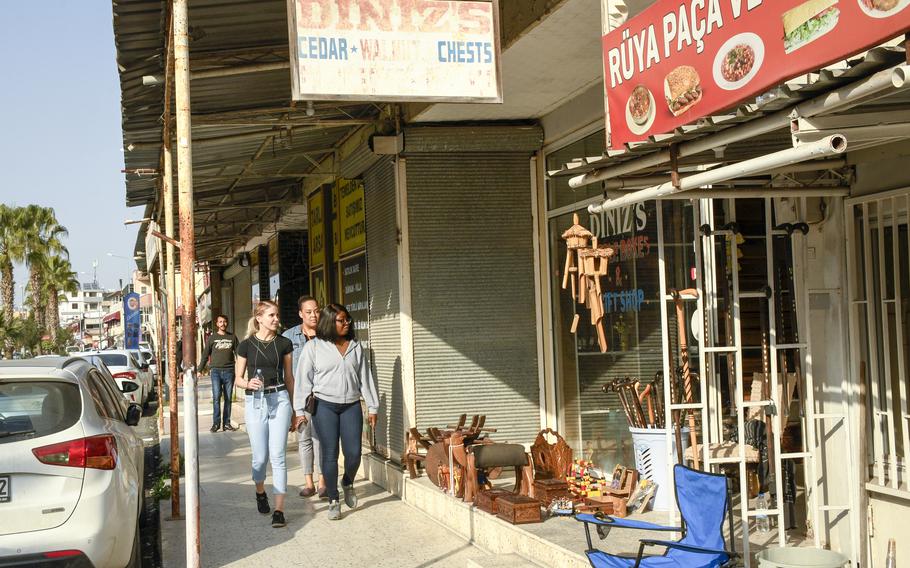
382	532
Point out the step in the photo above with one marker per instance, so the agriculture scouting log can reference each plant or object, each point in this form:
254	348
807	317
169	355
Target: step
500	561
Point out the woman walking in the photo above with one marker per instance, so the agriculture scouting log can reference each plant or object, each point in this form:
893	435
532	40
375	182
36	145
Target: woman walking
335	370
263	368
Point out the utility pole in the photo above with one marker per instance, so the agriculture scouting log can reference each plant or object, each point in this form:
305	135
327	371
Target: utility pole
170	280
188	277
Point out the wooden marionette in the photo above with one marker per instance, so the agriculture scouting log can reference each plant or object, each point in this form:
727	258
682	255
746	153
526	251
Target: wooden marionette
577	239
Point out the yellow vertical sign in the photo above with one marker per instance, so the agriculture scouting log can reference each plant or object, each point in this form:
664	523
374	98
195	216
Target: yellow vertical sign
315	217
336	232
352	215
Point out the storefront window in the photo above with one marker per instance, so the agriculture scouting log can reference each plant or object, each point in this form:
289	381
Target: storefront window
593	421
559	194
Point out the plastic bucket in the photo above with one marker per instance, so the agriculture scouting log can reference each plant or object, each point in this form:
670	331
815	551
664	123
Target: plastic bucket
789	557
650	445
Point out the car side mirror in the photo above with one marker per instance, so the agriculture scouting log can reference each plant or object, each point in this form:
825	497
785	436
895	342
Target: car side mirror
133	414
152	361
128	386
144	366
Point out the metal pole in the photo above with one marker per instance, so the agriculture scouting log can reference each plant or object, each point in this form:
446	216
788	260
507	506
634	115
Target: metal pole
187	278
170	286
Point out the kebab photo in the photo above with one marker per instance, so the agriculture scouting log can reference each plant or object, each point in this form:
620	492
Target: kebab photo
682	87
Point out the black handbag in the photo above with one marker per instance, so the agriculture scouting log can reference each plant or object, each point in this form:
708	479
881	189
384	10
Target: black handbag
310	405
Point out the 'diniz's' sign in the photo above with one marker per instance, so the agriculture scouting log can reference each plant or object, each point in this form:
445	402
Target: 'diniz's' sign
395	50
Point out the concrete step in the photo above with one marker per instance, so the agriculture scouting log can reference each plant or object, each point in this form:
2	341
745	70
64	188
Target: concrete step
501	561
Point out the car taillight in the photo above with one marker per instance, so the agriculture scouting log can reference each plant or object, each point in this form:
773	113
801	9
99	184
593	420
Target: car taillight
94	452
131	375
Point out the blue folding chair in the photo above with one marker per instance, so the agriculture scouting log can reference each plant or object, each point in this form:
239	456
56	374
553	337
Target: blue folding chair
703	501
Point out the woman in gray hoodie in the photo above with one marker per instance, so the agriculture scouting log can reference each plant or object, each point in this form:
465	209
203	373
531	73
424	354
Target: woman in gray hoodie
335	369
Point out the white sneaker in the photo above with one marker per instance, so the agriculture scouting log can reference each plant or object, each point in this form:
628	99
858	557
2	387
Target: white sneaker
334	510
350	498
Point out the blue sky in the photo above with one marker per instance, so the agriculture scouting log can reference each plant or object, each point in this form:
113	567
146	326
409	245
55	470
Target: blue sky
60	137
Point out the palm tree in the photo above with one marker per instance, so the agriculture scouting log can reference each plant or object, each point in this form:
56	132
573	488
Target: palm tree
42	236
10	332
59	279
11	251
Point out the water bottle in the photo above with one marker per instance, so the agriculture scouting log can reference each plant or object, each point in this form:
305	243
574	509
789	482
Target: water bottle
257	396
762	522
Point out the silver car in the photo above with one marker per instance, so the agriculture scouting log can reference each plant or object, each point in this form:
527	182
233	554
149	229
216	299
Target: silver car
71	466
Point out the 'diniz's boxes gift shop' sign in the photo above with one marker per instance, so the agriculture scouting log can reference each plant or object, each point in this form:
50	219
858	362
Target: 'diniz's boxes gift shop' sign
395	50
681	60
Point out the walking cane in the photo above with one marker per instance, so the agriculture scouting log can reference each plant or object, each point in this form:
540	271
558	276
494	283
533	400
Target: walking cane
684	363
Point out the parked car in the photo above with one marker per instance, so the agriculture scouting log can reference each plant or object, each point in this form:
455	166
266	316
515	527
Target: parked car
72	469
152	363
130	387
124	364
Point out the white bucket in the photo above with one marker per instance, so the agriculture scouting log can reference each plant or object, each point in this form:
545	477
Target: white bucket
650	446
789	557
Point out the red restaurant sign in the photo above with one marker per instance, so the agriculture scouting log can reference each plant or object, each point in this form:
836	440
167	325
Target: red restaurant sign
680	60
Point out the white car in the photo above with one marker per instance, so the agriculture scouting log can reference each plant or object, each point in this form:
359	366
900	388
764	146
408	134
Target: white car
152	363
124	365
130	386
72	469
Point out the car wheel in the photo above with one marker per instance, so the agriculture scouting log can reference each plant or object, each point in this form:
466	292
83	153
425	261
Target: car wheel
136	555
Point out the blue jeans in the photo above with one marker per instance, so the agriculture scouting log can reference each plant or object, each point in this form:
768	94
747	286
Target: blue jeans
267	427
334	421
222	384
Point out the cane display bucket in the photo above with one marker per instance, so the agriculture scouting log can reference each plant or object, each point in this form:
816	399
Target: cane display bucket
790	557
650	445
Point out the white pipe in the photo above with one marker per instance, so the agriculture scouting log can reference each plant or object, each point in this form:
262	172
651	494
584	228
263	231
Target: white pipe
758	192
639	182
838	99
834	144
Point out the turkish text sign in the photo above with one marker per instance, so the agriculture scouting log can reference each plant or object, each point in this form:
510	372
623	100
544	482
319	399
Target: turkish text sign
395	50
680	60
132	321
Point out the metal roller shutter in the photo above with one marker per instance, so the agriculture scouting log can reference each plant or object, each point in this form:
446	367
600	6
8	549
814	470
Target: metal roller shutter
472	282
385	331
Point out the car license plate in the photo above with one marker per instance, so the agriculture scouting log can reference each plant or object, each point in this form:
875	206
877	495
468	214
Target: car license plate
5	495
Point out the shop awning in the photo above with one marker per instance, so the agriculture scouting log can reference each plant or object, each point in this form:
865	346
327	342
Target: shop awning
868	83
111	317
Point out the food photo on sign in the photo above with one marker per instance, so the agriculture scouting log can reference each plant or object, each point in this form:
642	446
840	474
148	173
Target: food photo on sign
676	62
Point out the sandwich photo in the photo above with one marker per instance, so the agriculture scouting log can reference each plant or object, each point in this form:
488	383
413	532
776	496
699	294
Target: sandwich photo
682	88
808	22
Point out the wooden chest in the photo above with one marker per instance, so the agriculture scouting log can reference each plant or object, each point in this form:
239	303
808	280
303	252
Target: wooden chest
518	509
545	490
486	499
605	505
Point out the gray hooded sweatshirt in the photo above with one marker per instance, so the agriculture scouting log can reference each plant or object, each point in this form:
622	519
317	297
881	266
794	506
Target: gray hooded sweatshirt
322	370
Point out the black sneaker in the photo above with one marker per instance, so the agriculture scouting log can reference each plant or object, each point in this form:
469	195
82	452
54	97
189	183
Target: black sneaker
214	428
262	503
278	519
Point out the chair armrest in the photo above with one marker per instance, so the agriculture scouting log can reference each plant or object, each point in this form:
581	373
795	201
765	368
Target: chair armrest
615	522
681	546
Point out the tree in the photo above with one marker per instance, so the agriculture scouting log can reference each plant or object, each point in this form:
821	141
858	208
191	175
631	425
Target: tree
12	250
42	234
10	332
59	279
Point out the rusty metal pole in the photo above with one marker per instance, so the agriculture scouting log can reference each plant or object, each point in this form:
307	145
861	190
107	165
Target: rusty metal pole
170	283
187	277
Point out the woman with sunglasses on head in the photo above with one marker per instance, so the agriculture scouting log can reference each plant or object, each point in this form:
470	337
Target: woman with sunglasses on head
334	368
265	356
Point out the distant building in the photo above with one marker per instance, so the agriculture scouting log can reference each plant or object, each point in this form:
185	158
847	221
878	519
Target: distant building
84	311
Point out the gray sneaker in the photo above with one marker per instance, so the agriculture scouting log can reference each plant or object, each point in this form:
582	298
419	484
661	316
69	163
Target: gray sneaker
350	498
334	510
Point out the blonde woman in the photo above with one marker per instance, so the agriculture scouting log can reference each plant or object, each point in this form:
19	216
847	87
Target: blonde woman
263	368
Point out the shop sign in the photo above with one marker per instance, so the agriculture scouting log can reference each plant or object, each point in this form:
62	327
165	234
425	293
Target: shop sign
132	319
678	60
354	294
353	219
395	50
316	228
317	285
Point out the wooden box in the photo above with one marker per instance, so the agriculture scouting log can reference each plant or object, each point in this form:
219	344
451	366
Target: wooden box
605	505
518	509
486	499
545	490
